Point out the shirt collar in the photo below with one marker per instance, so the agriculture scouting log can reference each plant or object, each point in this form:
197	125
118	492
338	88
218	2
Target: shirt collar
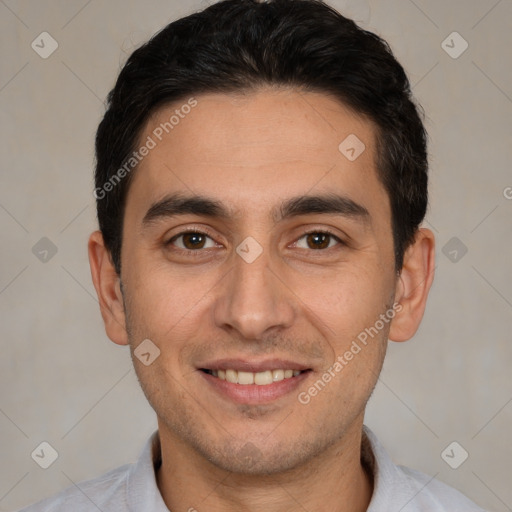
386	475
143	493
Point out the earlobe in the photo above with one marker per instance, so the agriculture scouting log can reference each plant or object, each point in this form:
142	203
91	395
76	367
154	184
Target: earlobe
413	285
108	288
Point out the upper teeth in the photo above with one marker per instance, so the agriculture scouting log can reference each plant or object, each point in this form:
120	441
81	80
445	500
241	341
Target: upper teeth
260	378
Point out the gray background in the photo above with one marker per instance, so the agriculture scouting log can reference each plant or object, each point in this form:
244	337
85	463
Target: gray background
62	380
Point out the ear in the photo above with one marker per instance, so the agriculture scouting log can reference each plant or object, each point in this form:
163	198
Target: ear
413	285
108	288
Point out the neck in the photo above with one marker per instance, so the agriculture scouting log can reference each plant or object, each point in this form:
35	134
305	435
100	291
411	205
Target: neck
334	481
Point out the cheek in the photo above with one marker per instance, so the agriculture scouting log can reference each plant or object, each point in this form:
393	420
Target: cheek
347	301
163	298
172	310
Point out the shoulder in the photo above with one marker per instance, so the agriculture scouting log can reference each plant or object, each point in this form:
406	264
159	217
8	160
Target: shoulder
401	488
106	492
128	487
428	493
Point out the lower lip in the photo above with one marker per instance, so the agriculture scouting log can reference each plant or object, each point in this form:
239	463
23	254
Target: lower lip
252	393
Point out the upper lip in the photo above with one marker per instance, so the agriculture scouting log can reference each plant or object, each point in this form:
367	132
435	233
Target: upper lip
245	365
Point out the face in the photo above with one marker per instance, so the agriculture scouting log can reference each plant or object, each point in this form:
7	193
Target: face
272	255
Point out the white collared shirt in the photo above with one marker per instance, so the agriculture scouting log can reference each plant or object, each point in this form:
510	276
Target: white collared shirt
133	487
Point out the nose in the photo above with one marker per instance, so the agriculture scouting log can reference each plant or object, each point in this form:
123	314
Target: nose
254	300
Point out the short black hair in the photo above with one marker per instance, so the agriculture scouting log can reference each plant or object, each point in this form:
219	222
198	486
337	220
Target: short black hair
242	45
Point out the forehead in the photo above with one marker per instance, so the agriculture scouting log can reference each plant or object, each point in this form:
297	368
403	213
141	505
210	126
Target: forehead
252	150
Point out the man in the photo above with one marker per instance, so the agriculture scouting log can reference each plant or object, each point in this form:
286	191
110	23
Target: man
261	180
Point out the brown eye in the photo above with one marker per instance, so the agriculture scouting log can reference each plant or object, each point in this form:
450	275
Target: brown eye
191	241
318	240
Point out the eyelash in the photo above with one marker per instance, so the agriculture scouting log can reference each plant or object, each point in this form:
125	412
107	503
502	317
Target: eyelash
322	232
205	233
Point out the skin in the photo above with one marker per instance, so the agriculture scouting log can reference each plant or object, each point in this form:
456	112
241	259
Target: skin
297	302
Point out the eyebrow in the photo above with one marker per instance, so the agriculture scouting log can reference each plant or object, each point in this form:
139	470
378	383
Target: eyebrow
178	204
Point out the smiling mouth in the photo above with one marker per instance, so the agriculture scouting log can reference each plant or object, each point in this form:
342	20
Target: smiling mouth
250	378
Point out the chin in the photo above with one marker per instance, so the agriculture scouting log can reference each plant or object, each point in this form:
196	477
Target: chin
260	458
